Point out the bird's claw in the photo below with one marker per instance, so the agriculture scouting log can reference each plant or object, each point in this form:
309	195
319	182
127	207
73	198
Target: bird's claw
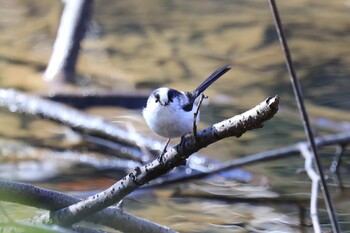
160	157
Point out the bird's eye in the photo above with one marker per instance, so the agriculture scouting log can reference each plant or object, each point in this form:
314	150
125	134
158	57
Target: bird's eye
157	98
171	95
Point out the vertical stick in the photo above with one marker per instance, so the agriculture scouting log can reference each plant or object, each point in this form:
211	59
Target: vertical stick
315	178
73	25
299	98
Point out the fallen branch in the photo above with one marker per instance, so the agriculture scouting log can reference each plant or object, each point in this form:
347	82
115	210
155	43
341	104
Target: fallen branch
83	99
175	156
335	139
16	150
16	101
113	217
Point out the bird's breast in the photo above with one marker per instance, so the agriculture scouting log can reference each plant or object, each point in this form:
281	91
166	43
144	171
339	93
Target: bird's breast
169	121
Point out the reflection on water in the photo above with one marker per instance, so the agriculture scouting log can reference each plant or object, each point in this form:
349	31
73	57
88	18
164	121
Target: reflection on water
178	43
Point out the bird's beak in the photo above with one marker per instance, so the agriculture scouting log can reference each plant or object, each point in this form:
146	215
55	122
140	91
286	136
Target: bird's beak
164	103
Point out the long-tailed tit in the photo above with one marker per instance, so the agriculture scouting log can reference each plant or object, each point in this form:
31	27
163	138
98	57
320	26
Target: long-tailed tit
170	113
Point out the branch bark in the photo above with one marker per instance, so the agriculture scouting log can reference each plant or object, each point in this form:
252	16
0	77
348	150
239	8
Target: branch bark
175	156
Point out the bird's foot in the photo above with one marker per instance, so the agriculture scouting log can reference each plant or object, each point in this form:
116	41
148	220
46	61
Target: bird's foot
202	97
160	157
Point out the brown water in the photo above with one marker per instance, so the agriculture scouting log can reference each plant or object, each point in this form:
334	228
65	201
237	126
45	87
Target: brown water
146	44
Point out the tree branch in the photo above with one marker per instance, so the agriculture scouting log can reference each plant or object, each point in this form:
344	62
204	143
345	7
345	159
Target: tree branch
113	217
13	149
84	99
20	102
176	156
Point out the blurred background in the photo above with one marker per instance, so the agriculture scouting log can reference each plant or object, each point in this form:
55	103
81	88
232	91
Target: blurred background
136	46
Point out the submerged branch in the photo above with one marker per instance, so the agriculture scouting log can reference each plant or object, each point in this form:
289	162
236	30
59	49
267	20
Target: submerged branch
16	150
16	101
83	99
176	156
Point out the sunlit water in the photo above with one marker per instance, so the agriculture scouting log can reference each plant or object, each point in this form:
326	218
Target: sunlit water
143	45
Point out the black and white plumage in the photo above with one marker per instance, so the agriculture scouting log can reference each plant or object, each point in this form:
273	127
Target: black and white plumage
170	112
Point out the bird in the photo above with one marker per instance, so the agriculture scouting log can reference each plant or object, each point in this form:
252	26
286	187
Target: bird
170	113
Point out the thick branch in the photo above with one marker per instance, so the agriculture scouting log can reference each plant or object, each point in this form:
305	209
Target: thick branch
176	156
51	200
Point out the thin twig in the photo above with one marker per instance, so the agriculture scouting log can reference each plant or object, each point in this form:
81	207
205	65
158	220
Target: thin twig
299	98
336	162
315	178
340	149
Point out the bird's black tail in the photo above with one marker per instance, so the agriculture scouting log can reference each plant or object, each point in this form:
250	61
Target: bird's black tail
212	78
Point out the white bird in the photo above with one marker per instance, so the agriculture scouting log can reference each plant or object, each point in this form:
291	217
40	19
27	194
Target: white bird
170	113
